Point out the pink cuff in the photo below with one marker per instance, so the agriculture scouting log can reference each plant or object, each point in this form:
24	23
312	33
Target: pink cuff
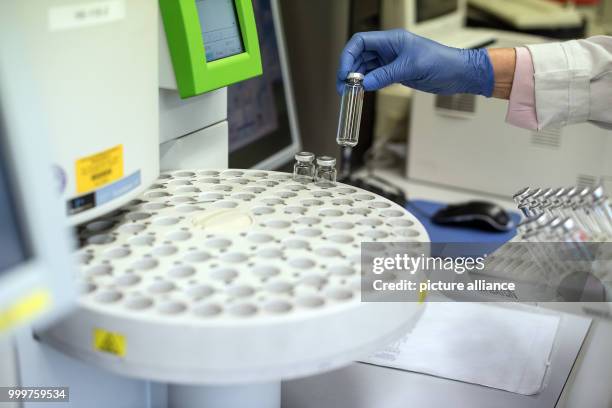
521	108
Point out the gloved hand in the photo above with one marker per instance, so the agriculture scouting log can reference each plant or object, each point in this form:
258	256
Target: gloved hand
397	56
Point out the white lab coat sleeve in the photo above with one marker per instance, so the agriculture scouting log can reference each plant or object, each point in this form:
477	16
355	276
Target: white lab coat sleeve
573	82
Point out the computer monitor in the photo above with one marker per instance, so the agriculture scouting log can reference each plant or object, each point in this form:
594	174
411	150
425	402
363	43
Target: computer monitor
423	16
263	130
35	259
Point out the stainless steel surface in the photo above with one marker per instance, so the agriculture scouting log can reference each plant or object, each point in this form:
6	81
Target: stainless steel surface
367	386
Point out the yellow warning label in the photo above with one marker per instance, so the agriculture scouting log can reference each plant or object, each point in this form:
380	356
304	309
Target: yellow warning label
24	309
99	169
109	342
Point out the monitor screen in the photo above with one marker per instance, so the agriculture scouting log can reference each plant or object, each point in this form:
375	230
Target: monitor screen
13	248
428	9
220	28
257	111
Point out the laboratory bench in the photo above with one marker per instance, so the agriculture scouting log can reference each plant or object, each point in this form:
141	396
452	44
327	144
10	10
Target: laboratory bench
363	386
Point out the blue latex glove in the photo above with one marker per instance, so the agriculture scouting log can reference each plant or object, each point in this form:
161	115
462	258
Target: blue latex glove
397	56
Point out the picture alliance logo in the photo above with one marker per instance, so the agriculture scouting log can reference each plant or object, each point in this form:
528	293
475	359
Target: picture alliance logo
412	264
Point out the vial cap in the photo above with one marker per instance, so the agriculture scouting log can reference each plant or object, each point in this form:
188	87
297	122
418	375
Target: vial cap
572	192
597	192
326	161
522	192
568	224
560	192
304	156
585	192
554	223
355	76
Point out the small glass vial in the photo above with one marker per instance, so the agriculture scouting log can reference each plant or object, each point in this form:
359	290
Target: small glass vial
304	167
350	110
326	171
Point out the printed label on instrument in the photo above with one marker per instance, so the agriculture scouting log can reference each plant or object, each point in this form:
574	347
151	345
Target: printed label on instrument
109	342
85	14
99	169
118	188
104	195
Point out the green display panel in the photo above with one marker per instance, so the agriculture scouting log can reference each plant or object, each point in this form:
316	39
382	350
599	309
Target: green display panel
212	43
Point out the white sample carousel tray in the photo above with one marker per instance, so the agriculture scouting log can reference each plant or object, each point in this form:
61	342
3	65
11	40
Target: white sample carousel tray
219	277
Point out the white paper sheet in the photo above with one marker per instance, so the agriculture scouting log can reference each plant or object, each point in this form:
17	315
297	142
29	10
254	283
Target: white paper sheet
489	345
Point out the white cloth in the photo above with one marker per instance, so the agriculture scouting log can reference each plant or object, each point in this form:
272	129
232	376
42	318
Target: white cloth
494	346
573	82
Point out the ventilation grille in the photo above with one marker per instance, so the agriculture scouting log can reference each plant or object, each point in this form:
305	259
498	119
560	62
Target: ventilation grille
464	103
585	180
549	138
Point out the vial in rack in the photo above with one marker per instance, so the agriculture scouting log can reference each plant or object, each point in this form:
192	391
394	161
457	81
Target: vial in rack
326	171
304	167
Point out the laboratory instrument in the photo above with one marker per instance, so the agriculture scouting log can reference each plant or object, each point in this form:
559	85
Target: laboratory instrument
475	214
250	124
449	137
463	142
212	43
326	171
241	277
203	46
261	112
442	21
97	168
36	263
351	104
304	167
538	17
145	264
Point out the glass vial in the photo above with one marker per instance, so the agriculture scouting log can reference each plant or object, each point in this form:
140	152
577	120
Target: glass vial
350	110
304	167
326	171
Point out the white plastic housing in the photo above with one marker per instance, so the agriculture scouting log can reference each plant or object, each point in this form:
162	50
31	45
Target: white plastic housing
96	65
470	146
185	118
227	277
403	14
208	147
